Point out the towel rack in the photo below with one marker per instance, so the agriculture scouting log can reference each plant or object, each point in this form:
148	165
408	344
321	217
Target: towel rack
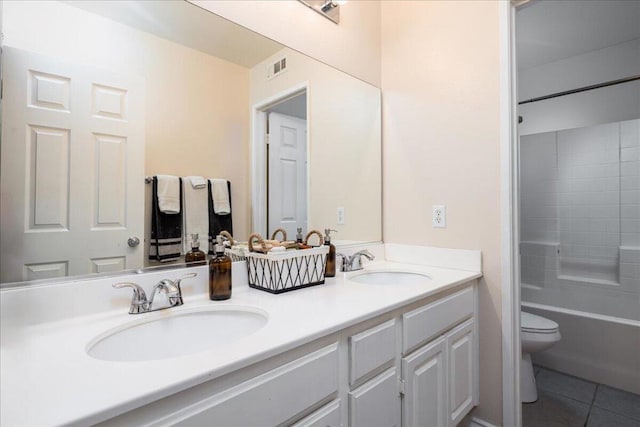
148	180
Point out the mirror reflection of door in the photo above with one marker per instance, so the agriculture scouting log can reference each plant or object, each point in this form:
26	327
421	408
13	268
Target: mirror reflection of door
287	166
80	199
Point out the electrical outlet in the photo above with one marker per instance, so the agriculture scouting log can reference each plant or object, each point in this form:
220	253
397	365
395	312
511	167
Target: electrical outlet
439	216
340	215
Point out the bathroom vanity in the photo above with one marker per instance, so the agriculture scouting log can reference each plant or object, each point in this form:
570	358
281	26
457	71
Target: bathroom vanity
359	350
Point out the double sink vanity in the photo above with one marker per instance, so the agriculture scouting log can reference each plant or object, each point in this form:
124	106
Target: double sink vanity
392	344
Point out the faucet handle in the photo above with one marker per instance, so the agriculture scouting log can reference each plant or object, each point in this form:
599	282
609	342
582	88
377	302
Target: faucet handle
175	294
346	260
139	302
186	276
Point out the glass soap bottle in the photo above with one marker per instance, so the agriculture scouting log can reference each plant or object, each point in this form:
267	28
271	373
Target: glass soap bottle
219	274
330	268
195	256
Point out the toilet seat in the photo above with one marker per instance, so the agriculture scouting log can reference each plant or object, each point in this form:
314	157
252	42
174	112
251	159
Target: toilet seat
537	324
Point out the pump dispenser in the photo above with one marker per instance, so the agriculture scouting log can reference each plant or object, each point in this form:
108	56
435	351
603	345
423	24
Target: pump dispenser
195	256
299	235
330	268
220	273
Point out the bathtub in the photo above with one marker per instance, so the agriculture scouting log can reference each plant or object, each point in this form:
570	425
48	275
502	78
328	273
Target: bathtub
595	347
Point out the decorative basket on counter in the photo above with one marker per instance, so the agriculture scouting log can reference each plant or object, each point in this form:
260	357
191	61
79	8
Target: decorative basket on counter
278	272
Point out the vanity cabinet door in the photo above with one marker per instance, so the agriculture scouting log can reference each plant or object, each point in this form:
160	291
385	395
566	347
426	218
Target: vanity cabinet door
376	403
461	349
424	374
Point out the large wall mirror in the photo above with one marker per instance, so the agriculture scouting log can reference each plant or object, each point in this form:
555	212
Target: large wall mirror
100	95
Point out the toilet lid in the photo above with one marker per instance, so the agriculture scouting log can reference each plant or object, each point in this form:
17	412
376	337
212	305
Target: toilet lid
532	323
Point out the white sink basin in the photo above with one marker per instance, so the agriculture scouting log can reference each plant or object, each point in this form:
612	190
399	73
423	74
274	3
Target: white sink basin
389	278
165	334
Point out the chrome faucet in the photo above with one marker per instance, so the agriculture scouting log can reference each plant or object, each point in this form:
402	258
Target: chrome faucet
140	303
354	262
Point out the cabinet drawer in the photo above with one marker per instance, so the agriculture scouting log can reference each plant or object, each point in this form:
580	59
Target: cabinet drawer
327	416
424	323
271	398
371	349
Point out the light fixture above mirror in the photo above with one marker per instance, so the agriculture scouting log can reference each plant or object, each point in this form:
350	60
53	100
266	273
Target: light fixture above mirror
330	9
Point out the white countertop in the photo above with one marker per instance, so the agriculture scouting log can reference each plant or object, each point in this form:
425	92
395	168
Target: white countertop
47	378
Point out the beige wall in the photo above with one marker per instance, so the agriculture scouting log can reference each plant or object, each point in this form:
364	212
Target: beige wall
353	46
344	143
440	82
197	106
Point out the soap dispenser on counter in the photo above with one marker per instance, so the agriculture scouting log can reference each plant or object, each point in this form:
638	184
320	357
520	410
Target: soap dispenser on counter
330	268
220	273
195	256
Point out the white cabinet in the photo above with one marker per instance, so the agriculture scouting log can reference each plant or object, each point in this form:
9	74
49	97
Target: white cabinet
425	390
412	366
376	403
440	377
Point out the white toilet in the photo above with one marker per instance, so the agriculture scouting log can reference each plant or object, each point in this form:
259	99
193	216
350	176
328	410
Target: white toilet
536	333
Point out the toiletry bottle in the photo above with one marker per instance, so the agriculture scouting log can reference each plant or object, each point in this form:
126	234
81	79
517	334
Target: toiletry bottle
299	235
219	274
195	256
330	268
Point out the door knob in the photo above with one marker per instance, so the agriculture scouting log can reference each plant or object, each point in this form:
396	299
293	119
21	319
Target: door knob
133	242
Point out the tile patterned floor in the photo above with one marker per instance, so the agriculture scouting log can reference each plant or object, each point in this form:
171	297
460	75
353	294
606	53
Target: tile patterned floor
567	401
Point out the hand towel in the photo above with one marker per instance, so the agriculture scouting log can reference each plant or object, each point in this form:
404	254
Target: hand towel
197	181
168	192
220	194
218	223
196	212
165	243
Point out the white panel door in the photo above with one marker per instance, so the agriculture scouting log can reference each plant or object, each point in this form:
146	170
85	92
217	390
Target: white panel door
461	351
287	173
425	375
72	168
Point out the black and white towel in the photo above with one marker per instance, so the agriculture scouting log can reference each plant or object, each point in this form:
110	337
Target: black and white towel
166	228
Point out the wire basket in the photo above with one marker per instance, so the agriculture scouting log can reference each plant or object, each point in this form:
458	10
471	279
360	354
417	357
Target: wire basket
236	253
287	271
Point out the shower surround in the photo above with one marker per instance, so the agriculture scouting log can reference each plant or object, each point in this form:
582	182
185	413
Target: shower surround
580	246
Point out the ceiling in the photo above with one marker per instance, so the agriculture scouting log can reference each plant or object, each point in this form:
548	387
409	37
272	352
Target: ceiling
548	31
189	25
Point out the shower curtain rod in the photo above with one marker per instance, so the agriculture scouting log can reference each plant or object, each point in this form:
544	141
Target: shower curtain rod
582	89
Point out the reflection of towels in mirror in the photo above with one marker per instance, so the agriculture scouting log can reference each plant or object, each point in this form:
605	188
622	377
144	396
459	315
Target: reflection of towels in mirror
197	181
196	211
220	195
165	242
217	222
168	192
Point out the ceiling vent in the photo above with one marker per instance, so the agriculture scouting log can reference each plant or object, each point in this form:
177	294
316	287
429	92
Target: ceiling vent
277	67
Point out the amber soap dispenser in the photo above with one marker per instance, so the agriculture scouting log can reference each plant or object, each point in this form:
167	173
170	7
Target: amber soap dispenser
219	274
195	256
330	268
